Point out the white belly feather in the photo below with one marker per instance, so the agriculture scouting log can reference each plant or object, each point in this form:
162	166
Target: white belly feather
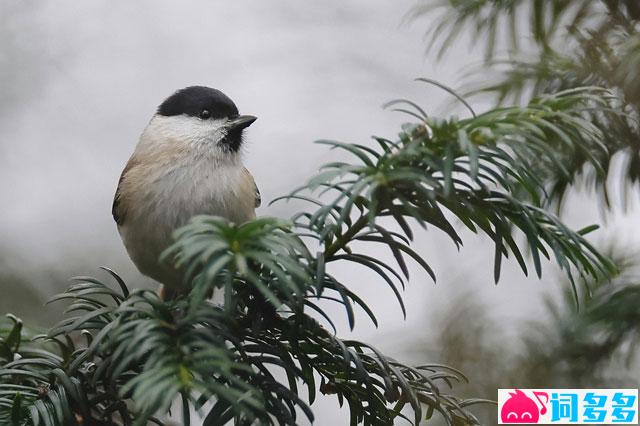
164	198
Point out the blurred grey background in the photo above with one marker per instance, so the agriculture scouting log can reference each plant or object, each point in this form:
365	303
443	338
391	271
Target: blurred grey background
80	80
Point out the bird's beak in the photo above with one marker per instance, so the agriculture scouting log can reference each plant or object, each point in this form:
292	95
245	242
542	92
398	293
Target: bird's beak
241	122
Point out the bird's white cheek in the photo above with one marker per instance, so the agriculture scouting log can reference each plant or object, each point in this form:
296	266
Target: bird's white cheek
208	132
197	132
192	131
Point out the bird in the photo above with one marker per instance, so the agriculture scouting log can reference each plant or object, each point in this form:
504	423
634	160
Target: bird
188	162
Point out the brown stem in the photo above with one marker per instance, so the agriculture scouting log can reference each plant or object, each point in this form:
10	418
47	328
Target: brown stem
342	241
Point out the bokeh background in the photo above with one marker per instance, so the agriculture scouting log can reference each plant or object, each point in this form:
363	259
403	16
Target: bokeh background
80	80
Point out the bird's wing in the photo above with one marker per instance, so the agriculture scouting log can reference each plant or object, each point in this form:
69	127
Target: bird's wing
258	198
118	209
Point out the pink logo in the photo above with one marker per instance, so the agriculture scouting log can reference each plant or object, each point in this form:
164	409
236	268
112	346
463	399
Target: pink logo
519	408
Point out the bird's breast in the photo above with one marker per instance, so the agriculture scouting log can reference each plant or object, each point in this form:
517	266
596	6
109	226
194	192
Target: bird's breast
173	197
162	200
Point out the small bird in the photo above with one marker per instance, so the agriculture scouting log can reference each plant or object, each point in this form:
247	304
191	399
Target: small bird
188	162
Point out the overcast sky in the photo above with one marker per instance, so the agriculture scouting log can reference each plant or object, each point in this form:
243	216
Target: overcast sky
80	80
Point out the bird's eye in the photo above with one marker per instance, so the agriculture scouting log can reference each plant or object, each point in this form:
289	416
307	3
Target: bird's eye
205	113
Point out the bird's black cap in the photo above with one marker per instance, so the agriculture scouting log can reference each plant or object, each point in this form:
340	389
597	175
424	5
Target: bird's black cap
194	100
